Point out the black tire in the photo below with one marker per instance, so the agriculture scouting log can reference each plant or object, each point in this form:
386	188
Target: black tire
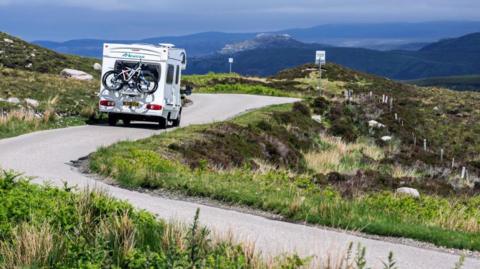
162	123
112	119
109	77
126	122
176	122
152	81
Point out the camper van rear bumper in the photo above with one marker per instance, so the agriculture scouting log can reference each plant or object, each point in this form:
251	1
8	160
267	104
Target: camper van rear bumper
143	113
137	117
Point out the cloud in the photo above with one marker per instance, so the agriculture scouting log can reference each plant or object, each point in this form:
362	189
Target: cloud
62	19
256	6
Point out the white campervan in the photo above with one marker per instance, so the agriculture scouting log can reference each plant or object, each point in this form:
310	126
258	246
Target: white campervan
142	82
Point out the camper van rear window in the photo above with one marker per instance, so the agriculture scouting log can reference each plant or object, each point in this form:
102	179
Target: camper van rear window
133	56
170	73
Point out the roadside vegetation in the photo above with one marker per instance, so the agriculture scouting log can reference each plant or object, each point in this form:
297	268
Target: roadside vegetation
32	101
19	54
46	227
319	160
269	159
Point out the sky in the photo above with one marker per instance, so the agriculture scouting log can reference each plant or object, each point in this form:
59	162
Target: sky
61	20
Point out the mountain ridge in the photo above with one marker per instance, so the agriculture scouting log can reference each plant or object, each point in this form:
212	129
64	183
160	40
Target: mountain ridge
365	35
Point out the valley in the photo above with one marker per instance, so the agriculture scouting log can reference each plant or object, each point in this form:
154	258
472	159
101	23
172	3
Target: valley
365	170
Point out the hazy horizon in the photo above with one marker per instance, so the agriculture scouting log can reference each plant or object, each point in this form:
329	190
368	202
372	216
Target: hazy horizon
60	20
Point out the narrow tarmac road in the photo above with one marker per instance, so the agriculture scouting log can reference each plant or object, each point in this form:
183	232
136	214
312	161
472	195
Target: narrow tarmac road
47	154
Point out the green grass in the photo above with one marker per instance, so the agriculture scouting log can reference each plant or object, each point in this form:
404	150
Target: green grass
234	83
17	127
460	83
62	102
46	227
22	55
276	188
244	89
204	79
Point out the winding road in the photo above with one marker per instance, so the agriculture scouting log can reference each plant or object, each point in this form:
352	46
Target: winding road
46	155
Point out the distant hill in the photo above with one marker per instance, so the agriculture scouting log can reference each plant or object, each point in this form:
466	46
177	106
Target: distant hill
263	41
19	54
382	36
195	44
459	83
437	59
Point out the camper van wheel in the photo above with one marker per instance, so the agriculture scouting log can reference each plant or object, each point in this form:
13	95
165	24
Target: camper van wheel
176	122
162	123
112	119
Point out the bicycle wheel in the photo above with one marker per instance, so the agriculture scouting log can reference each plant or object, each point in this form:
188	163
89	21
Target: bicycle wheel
112	81
147	83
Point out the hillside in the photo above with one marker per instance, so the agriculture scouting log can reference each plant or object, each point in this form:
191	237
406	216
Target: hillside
459	83
430	61
327	160
19	54
33	95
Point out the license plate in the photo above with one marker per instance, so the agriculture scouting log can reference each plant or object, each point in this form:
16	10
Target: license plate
130	104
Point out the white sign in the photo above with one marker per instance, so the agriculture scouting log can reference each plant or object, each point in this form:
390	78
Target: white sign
230	60
320	57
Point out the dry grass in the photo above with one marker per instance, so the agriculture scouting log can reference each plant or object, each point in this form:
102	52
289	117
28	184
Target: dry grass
31	247
19	114
399	171
458	219
334	157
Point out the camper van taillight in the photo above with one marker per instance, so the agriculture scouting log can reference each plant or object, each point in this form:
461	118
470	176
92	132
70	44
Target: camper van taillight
154	107
107	103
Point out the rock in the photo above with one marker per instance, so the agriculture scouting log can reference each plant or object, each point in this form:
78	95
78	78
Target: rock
386	138
29	65
375	124
8	40
13	100
408	191
97	66
436	108
317	118
75	74
31	102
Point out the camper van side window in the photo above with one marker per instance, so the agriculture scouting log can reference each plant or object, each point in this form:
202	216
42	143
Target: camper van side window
177	75
170	73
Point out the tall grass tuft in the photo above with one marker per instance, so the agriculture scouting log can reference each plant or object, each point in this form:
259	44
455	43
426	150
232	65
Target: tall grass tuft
30	246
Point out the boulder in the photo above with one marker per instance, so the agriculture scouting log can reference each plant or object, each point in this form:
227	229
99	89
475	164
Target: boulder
97	66
375	124
75	74
32	102
317	118
408	192
386	138
6	40
13	100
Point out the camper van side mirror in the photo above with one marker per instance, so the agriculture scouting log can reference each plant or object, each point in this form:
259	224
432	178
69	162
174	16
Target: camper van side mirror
187	91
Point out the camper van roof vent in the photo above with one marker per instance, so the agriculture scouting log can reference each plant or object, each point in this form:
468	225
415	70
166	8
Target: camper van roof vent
166	45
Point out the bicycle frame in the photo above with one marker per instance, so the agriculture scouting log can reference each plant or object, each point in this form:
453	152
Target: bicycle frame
128	73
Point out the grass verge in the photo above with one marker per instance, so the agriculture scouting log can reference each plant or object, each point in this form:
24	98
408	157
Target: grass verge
215	161
46	227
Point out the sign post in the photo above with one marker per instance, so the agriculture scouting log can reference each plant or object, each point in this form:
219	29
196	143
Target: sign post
320	59
230	61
